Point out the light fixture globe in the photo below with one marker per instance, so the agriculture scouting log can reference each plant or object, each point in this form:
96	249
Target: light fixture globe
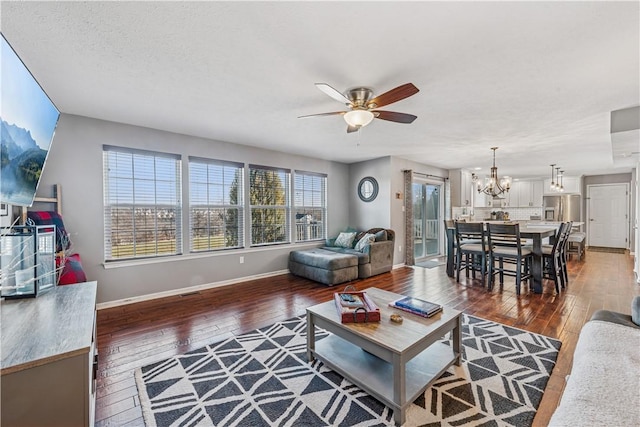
358	118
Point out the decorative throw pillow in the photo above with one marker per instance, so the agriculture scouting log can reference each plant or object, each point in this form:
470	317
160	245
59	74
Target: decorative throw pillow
72	271
364	242
345	240
381	236
330	242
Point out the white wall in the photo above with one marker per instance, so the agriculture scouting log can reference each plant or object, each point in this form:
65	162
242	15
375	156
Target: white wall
366	215
75	162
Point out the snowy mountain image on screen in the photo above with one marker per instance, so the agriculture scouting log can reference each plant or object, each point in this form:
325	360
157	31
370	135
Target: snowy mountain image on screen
21	163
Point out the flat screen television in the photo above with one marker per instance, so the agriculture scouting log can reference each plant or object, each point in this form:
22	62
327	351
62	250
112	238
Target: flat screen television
28	123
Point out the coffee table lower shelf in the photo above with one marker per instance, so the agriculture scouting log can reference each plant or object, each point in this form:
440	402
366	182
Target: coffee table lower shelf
376	376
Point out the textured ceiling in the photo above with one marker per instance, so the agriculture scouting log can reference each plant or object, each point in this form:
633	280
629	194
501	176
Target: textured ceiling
537	79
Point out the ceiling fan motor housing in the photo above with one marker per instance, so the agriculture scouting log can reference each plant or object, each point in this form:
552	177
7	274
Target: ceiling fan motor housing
359	96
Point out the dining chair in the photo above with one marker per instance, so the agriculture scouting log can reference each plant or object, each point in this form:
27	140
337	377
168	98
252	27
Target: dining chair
506	249
472	252
448	225
564	253
552	257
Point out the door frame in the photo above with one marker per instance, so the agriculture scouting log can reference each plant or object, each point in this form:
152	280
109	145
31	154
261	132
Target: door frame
441	212
628	210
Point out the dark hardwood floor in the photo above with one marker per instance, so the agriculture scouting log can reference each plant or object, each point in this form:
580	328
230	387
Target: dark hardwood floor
138	334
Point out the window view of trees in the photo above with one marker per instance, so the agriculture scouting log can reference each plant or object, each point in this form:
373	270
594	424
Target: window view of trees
216	205
143	208
268	196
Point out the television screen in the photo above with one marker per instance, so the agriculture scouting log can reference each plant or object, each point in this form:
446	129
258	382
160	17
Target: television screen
28	122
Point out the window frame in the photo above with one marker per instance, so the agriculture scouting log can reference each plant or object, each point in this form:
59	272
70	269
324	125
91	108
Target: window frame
286	182
138	181
239	206
322	193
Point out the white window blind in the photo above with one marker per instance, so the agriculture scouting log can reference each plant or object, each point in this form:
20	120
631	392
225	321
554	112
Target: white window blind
142	204
310	205
269	204
216	204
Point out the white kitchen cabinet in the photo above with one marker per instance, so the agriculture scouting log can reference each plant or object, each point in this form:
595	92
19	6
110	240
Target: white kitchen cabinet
525	194
481	200
571	184
461	187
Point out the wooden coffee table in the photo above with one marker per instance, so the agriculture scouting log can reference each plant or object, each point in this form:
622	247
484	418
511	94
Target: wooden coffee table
400	359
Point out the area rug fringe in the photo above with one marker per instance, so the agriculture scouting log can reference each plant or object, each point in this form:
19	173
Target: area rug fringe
262	378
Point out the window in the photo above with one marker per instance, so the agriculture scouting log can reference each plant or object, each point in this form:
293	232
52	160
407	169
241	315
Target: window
310	201
142	204
270	206
216	204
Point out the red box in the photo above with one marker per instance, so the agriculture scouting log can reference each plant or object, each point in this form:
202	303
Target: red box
369	313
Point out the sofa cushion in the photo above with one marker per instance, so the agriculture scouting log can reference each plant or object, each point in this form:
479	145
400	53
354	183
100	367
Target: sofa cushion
635	310
362	257
604	378
324	258
345	240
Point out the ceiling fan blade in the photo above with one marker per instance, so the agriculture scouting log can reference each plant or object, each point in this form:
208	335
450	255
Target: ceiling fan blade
394	95
351	129
333	93
392	116
335	113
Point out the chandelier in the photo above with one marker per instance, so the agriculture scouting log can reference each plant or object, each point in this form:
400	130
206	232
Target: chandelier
493	186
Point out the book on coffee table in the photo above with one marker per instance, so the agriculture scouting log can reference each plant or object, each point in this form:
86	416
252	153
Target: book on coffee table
416	306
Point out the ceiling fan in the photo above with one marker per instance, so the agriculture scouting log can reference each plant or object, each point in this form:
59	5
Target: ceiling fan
363	107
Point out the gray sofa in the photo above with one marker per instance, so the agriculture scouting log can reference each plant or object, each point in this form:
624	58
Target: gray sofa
602	389
332	264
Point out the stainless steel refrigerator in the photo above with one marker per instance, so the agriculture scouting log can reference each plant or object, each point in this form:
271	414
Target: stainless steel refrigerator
562	208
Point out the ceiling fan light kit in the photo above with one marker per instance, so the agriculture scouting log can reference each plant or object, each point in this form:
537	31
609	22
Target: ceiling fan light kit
358	118
362	105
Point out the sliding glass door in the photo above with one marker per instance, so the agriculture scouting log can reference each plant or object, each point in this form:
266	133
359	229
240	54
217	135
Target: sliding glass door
426	219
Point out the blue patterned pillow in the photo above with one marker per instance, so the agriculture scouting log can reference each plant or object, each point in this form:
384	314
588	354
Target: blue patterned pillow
345	240
366	240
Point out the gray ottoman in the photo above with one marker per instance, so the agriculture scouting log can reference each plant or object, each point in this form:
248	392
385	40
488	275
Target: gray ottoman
323	266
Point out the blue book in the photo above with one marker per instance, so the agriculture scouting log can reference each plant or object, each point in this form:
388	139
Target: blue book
418	306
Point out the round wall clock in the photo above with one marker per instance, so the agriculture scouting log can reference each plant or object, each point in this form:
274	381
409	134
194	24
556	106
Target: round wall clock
368	189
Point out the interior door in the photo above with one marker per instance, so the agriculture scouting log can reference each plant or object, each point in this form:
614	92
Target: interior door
608	217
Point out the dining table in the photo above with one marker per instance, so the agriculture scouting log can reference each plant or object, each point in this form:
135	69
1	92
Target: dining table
535	233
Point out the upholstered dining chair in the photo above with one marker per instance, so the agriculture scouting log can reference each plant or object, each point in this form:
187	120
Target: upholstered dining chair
506	249
472	252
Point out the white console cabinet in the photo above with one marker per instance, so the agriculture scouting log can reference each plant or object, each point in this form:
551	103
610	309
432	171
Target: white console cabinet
49	358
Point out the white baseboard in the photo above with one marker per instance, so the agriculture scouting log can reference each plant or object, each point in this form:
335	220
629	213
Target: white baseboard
196	288
187	290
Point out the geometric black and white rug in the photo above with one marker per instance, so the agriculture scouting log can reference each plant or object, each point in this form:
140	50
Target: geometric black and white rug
262	378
